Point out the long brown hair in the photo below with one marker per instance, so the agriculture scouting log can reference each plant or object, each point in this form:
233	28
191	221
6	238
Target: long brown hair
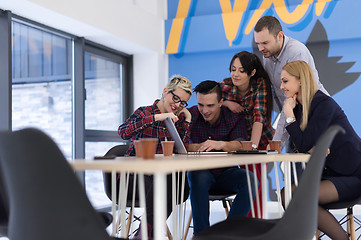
251	62
303	72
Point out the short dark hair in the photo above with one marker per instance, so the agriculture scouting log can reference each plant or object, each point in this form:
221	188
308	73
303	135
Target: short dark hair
207	87
269	22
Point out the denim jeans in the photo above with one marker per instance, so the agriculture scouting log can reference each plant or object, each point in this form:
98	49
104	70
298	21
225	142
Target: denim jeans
231	180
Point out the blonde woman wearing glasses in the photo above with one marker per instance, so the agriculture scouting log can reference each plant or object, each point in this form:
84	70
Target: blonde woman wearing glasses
147	122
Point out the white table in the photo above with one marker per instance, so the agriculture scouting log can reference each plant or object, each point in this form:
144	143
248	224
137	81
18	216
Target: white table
161	166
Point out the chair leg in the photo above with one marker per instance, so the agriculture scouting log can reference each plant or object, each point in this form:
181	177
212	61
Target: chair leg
188	225
129	221
230	201
169	234
117	224
351	223
224	202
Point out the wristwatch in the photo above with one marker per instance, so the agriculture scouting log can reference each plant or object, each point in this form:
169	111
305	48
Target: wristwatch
290	120
254	146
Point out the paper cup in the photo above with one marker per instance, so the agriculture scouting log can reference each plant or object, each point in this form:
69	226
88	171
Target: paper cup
138	148
246	145
149	146
167	148
275	145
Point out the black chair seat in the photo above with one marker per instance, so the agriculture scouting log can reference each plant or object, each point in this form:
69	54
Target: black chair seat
238	228
341	205
219	197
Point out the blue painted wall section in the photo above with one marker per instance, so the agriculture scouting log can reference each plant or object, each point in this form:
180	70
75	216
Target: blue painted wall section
201	37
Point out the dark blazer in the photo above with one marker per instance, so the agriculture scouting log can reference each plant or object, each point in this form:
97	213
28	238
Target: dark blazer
345	151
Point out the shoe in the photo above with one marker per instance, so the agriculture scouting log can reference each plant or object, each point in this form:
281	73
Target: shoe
138	234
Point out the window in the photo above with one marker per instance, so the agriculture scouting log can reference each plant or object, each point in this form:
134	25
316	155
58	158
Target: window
76	91
103	85
42	83
105	98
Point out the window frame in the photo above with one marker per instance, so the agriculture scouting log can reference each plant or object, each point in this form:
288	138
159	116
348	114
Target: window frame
79	46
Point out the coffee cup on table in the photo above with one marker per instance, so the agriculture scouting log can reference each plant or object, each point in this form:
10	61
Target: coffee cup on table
149	146
167	148
138	148
246	145
275	145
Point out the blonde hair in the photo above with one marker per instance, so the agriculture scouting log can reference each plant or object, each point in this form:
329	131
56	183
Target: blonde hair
178	81
303	72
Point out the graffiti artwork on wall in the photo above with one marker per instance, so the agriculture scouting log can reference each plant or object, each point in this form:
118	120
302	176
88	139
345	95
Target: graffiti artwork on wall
202	36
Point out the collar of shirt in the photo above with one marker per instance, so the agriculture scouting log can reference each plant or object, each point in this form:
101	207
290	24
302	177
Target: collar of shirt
155	107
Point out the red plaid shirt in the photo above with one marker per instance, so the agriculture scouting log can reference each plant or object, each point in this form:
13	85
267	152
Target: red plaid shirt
141	124
255	104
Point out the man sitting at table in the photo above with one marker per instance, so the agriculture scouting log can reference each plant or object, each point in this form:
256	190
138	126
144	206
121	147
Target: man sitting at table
216	128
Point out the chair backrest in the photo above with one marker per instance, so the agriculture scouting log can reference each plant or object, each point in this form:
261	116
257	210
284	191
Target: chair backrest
4	211
46	199
300	218
119	150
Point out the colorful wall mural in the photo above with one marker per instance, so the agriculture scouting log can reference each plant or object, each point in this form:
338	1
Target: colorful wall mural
202	36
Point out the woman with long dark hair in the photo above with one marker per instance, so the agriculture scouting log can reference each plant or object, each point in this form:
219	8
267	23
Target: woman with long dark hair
248	90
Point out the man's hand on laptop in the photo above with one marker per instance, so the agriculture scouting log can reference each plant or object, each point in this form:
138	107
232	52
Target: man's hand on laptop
210	145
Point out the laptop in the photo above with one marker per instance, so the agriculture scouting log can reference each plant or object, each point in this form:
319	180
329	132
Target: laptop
255	152
179	143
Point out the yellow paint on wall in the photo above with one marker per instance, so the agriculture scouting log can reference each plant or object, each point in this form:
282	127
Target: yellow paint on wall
283	13
232	18
257	14
320	5
177	26
291	17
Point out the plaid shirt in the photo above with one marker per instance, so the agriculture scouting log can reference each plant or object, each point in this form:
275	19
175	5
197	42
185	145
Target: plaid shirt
255	104
230	126
141	124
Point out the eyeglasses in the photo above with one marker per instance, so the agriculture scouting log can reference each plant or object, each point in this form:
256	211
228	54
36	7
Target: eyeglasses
177	99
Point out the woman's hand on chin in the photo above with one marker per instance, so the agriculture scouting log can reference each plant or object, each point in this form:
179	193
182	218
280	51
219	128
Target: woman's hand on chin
289	105
186	113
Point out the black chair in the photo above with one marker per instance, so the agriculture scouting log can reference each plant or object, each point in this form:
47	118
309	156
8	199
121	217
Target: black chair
46	199
4	215
120	150
299	221
224	197
349	218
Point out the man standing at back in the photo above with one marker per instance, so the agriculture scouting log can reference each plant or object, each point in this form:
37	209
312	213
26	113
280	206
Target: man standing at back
277	50
216	128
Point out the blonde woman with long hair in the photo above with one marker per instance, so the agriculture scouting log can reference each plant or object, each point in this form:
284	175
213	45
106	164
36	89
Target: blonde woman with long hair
309	112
